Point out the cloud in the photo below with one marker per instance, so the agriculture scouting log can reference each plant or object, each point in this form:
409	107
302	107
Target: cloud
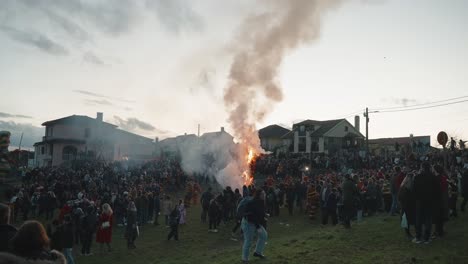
132	124
68	25
112	17
176	15
7	115
98	102
35	39
403	101
31	134
92	58
103	96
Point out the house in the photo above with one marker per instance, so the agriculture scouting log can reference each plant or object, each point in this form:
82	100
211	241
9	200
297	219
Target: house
271	137
385	146
79	137
329	136
191	141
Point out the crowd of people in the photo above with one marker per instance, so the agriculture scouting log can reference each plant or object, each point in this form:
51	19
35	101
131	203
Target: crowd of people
85	202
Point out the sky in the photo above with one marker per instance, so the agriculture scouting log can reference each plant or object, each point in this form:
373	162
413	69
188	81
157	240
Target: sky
159	68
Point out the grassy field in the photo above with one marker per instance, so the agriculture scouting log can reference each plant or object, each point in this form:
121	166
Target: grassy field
291	240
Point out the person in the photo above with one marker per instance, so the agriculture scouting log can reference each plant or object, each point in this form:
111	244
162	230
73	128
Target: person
7	231
55	233
349	193
425	187
166	208
87	229
131	231
67	239
157	208
441	210
395	183
324	195
254	221
464	189
104	232
205	202
183	212
408	203
32	243
214	213
174	218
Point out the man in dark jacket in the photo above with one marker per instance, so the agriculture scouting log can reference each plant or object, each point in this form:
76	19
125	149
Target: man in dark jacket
88	227
425	188
205	202
349	194
254	222
67	239
7	231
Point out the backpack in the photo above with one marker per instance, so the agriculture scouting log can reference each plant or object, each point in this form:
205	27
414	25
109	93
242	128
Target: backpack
242	206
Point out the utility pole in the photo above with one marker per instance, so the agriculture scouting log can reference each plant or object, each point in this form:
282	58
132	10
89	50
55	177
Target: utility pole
366	115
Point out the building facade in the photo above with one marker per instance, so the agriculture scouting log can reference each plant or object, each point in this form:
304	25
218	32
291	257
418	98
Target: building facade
82	137
271	137
329	136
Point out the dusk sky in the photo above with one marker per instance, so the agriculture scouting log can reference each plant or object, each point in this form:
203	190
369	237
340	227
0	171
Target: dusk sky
159	68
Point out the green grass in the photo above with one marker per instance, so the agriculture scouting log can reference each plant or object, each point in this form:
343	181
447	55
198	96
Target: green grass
378	239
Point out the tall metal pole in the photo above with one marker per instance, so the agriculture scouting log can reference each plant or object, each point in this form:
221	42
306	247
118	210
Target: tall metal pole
367	129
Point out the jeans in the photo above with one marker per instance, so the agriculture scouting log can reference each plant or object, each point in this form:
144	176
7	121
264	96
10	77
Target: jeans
68	253
423	218
174	232
394	207
249	230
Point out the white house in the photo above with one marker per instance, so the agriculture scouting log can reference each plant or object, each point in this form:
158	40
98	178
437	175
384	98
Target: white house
329	136
76	137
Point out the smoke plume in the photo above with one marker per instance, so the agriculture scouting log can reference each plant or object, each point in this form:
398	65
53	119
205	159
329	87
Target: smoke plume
263	41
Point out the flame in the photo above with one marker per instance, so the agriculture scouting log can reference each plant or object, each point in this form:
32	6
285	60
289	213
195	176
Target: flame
247	174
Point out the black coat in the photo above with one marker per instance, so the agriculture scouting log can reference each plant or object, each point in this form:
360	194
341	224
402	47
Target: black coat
256	212
131	229
426	188
67	233
7	232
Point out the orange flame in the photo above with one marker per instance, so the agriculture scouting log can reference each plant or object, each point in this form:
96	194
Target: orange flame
247	175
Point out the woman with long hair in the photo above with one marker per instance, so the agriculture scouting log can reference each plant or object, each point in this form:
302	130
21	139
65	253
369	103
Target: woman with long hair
105	224
31	242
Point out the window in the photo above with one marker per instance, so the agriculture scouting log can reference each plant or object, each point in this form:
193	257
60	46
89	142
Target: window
302	128
87	132
69	153
49	131
42	150
346	128
51	149
302	144
315	146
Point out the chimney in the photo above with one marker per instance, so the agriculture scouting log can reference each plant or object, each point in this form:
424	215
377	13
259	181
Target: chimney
156	139
99	116
357	123
222	129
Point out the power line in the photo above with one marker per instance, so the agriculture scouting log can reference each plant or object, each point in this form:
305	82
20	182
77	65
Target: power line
410	106
418	108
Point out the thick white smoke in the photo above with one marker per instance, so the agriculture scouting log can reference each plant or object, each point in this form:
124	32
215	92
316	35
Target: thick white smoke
263	41
253	86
